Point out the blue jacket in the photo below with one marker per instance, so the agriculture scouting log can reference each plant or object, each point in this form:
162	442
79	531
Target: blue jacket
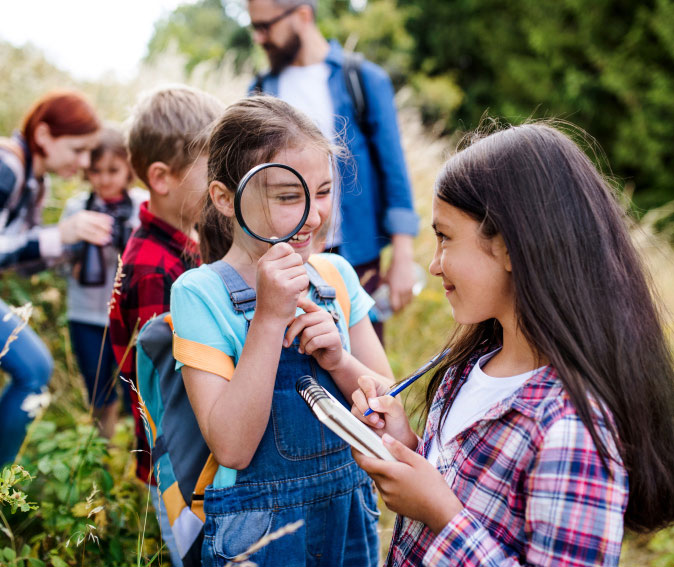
375	204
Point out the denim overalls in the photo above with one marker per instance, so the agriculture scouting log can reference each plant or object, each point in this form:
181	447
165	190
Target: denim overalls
301	470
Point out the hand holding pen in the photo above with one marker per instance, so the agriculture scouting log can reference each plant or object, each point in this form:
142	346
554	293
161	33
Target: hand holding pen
413	378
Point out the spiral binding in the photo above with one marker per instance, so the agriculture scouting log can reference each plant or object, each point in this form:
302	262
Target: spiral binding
310	390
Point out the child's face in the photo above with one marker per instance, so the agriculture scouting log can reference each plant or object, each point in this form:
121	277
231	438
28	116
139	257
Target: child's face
475	272
109	176
314	166
187	188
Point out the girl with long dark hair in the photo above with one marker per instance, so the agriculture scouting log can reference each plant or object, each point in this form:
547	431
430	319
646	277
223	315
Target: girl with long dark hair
550	420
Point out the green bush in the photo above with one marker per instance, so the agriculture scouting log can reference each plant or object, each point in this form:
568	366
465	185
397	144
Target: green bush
605	66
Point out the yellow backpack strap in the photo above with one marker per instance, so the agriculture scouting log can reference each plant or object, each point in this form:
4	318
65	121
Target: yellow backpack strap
205	478
200	356
331	275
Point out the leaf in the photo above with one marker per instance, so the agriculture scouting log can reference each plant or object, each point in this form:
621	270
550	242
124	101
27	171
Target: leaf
61	471
57	562
9	553
107	481
116	550
44	465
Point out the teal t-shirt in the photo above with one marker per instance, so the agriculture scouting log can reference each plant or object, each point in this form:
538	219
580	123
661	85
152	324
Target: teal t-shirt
202	311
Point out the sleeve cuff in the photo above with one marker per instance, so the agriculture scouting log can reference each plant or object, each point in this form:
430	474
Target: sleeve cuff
466	542
401	221
49	239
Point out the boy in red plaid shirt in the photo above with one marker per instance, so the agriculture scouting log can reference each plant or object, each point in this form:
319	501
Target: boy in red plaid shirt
167	144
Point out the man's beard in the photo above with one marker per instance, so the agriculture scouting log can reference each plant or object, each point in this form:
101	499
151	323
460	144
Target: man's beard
282	56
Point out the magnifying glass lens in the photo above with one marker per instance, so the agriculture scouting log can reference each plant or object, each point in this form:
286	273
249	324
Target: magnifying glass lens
273	203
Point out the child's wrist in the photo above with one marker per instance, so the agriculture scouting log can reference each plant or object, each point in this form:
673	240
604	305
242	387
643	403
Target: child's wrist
271	323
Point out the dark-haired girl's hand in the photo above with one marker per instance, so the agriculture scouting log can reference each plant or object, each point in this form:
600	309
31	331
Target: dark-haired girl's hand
388	413
319	336
280	280
412	486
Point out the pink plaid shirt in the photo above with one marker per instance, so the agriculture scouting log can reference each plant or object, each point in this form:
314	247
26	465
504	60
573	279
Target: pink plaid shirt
531	482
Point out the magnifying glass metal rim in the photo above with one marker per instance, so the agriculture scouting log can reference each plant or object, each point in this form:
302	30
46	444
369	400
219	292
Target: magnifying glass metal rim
242	186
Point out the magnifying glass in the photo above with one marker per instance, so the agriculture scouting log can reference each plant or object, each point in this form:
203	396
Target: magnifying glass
272	199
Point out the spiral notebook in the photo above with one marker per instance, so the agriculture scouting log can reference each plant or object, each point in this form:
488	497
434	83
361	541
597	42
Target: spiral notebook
340	420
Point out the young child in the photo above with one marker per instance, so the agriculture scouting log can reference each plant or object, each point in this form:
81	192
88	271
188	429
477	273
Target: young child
278	464
110	175
169	130
550	419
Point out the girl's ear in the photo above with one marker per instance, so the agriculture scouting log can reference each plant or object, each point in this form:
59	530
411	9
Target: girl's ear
222	198
500	251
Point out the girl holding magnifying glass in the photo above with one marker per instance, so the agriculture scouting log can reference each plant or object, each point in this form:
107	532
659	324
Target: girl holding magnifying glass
278	464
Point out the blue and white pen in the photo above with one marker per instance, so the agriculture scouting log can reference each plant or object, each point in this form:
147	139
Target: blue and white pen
418	374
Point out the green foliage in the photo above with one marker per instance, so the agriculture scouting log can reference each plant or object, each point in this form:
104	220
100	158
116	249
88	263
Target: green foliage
92	510
379	33
16	500
202	32
89	508
606	66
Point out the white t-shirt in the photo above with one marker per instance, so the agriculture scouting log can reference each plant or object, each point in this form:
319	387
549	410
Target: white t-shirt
306	88
476	397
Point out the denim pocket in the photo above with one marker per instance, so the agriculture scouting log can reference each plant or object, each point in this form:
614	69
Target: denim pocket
236	533
368	500
298	433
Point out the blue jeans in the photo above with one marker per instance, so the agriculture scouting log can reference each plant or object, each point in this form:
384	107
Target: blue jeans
29	366
86	340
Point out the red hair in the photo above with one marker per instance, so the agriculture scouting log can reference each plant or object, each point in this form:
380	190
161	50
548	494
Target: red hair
66	113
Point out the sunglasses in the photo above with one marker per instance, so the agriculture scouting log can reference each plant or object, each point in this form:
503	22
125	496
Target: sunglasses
264	27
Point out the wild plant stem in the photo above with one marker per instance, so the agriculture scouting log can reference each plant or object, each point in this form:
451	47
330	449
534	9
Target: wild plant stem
9	531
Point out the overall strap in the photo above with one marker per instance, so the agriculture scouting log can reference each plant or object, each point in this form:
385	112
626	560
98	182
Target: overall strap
242	295
323	292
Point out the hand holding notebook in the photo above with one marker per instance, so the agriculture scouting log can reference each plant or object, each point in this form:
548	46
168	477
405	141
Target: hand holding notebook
340	420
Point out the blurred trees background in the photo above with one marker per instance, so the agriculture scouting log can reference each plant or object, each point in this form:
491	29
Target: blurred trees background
606	65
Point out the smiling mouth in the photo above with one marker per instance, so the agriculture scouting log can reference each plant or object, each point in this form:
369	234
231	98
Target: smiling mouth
300	237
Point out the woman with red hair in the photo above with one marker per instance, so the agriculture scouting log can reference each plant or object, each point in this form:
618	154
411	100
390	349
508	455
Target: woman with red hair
58	134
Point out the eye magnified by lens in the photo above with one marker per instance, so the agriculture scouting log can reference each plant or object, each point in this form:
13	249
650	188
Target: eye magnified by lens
272	202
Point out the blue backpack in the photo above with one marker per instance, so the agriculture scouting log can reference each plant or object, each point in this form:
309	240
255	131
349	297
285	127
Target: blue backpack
182	462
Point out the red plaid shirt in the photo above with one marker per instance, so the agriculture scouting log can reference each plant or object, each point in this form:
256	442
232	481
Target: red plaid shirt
156	254
531	482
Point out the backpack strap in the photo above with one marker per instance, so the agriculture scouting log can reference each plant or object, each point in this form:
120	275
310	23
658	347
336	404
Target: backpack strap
201	356
351	68
331	275
258	85
205	478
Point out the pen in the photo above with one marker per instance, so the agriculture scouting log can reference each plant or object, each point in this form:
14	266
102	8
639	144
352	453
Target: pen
409	381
